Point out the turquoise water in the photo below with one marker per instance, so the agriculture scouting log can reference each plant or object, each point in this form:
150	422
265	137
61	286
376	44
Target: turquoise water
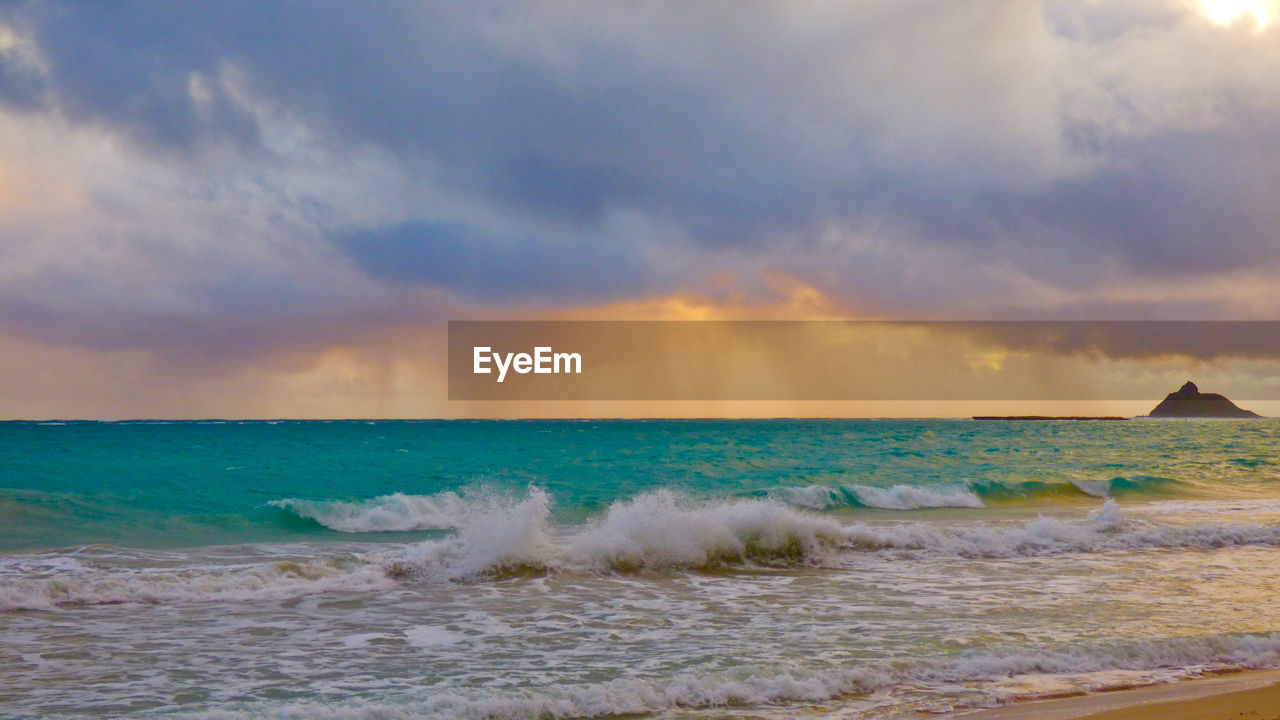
656	569
155	485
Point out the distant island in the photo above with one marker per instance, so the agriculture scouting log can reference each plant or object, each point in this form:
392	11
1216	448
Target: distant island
1189	402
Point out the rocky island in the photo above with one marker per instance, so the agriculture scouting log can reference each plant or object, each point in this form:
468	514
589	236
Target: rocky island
1189	402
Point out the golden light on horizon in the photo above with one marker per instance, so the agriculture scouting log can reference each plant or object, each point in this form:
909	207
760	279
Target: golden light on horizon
1224	12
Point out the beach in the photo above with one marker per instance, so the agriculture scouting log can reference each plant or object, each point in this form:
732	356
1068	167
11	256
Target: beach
1252	695
556	360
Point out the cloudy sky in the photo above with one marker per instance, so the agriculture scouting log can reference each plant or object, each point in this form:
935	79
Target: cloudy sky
253	209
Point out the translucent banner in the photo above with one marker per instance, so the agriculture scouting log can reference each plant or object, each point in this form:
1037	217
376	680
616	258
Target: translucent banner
859	360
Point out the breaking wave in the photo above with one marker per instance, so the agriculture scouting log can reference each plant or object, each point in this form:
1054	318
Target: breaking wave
663	531
898	497
389	513
653	531
503	536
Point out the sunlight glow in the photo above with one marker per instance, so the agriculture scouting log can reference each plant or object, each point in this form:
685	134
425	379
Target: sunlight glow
1224	12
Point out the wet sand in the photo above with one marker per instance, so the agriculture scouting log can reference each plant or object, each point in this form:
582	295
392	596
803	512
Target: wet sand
1237	696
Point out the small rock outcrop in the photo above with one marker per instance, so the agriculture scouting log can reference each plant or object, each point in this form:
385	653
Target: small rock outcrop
1189	402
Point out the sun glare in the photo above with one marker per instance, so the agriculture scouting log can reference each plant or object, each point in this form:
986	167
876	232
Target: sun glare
1226	11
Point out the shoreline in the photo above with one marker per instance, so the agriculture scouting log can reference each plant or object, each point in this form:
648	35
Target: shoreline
1253	694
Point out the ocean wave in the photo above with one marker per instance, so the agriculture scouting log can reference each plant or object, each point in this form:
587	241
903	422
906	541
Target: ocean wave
1075	488
663	531
498	535
981	674
974	494
897	497
653	531
388	513
504	536
909	497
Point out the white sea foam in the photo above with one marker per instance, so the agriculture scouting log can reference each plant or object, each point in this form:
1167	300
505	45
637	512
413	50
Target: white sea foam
911	497
1106	529
1109	516
653	531
811	497
269	581
431	636
20	566
389	513
662	530
983	675
498	534
1095	488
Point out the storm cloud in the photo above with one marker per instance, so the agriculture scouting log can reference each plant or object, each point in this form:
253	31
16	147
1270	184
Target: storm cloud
171	167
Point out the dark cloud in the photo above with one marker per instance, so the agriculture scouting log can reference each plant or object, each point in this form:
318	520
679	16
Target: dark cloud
486	267
131	67
1178	204
710	117
898	152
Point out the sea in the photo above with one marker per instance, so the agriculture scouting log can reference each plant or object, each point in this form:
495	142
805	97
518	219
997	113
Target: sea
651	569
